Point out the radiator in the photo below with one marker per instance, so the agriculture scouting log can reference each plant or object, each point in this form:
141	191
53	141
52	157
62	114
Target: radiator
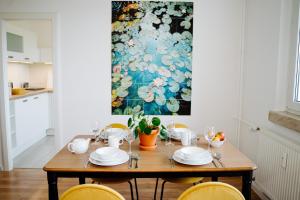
278	162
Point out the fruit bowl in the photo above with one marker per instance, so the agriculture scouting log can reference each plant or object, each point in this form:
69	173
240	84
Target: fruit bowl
217	140
217	144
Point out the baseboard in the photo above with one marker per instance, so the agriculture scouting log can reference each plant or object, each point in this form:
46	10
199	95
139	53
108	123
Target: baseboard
50	131
260	191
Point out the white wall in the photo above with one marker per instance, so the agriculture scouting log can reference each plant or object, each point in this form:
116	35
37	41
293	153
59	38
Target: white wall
267	58
85	61
41	75
38	75
266	65
18	73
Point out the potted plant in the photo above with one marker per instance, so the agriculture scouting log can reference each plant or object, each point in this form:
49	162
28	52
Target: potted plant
146	129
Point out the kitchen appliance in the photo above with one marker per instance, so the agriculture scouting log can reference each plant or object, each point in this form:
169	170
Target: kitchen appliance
25	85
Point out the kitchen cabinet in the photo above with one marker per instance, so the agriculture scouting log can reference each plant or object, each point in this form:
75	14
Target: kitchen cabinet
31	121
21	45
45	55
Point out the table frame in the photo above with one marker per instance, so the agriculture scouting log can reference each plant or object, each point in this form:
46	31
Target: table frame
54	175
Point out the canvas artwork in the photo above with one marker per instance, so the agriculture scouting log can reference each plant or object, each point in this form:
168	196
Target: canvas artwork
152	57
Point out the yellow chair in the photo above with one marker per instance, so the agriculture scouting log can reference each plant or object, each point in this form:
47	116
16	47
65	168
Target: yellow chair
118	180
212	191
187	180
91	192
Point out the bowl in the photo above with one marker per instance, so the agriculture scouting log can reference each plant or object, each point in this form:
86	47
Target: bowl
18	91
217	144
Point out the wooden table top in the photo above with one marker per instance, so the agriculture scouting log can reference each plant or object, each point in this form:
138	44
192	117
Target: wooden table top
150	161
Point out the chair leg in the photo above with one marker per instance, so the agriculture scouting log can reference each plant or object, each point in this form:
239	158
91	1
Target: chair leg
162	190
154	198
131	192
136	189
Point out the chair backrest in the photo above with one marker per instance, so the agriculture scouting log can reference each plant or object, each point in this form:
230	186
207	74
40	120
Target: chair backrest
118	125
91	192
212	191
179	125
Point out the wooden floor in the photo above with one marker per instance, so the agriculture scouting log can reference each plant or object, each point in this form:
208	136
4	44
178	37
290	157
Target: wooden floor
23	184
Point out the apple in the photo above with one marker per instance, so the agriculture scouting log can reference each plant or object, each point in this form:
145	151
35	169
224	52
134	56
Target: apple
221	134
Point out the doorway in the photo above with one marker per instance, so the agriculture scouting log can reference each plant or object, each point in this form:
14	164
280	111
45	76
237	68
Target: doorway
32	134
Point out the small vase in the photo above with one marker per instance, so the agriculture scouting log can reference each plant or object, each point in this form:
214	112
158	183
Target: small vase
148	142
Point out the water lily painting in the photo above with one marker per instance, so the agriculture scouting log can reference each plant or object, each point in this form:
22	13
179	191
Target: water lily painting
151	57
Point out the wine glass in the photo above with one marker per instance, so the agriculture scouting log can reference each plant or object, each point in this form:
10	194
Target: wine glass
129	138
209	134
95	128
170	132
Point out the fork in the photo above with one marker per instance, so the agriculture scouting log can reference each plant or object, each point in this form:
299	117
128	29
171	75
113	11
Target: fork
172	162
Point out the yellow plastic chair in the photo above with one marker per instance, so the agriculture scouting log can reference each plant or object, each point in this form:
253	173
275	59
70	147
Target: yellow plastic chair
118	180
91	192
185	180
212	191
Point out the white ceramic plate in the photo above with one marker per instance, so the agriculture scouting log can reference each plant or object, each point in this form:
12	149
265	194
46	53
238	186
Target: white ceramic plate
118	132
203	159
190	153
106	154
122	158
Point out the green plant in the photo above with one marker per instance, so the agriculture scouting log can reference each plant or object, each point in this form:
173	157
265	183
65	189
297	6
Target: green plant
139	123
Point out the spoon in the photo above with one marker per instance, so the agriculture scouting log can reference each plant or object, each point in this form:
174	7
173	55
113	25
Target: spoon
218	156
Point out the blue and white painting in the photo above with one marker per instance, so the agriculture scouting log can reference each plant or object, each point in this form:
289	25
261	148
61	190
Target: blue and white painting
152	57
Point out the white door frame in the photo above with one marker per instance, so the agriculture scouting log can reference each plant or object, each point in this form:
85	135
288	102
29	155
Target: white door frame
57	89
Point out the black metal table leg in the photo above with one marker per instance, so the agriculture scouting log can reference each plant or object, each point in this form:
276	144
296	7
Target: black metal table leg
52	186
247	181
81	180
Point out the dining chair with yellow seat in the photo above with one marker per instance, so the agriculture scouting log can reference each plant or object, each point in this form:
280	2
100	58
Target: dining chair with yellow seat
118	180
212	191
91	192
184	180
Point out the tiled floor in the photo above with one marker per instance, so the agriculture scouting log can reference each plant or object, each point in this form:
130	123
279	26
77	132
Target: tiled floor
37	155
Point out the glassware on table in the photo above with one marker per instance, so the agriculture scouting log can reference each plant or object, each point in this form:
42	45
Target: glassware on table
170	131
95	129
194	140
129	138
209	134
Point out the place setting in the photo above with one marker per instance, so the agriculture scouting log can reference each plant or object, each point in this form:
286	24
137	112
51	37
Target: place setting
190	153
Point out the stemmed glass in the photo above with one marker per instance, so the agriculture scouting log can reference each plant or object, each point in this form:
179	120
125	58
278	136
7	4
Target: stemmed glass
170	130
95	128
209	135
129	138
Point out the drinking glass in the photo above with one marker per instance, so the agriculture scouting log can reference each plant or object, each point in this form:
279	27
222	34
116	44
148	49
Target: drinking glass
170	130
209	134
130	139
95	128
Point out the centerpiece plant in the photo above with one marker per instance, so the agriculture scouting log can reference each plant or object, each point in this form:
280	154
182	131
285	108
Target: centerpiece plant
147	129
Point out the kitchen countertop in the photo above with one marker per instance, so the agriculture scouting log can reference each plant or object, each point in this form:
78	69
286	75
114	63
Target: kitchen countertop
31	93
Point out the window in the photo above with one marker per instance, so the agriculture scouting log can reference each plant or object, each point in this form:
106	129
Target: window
293	101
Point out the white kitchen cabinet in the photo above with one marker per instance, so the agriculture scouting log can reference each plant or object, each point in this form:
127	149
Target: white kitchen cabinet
31	115
45	55
21	44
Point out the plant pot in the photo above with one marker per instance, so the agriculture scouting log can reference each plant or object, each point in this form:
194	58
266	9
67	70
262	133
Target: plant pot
148	142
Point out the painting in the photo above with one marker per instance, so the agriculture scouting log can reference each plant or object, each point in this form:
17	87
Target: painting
151	57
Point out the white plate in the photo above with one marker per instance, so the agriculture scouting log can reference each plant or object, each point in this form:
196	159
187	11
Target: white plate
106	154
118	132
204	159
122	158
190	153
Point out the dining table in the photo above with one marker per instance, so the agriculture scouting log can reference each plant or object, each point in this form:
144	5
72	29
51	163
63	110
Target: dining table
151	164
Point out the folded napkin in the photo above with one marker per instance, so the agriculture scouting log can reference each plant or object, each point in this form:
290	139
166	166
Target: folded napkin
106	154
